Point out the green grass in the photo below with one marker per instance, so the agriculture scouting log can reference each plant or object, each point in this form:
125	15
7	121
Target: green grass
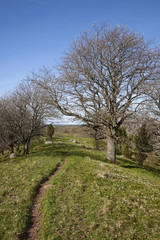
89	198
20	178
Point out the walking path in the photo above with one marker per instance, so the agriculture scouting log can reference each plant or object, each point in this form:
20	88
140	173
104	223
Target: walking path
35	215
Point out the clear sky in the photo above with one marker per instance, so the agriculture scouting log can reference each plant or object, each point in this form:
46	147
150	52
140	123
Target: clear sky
34	33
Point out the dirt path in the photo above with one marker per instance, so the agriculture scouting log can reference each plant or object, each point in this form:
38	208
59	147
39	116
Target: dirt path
35	215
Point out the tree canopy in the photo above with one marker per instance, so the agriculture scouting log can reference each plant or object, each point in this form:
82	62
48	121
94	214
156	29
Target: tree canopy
102	77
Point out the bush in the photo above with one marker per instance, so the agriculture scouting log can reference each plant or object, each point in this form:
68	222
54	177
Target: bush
126	151
118	149
142	144
50	131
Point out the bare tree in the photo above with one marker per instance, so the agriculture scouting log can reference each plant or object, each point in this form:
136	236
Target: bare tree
150	113
152	90
102	72
8	132
21	119
3	138
30	113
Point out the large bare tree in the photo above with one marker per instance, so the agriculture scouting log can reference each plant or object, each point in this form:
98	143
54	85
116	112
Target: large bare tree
102	74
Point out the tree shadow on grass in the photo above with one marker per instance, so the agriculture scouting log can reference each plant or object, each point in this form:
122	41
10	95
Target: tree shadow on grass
88	152
62	149
121	161
130	164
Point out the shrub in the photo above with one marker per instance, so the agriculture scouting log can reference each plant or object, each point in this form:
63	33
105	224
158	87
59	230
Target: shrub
142	144
126	150
50	131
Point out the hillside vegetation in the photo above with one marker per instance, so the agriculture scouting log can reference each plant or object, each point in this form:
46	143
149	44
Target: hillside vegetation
88	199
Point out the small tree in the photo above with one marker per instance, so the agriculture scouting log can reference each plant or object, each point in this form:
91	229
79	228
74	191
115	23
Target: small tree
142	144
126	150
50	131
96	132
121	137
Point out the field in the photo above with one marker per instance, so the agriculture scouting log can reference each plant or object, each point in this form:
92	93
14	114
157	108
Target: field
88	199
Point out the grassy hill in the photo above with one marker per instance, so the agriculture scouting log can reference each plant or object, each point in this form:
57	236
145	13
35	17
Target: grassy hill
88	199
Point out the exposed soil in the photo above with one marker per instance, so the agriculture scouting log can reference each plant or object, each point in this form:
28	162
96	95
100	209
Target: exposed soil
35	215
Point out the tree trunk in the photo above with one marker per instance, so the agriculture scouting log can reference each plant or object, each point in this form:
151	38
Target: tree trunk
97	144
96	140
24	148
27	147
17	148
11	149
111	149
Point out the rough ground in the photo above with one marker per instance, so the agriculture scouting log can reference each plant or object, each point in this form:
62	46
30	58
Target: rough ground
35	215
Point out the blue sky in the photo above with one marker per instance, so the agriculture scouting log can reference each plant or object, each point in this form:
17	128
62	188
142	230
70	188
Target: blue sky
34	33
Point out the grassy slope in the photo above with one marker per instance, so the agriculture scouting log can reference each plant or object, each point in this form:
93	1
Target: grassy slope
20	178
91	199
